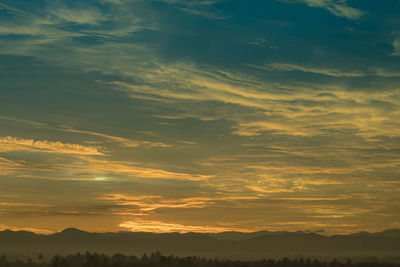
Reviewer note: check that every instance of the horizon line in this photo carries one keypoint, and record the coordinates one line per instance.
(320, 232)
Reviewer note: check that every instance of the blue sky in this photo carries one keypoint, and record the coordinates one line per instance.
(200, 115)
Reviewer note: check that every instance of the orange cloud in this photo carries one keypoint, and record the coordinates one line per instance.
(123, 141)
(103, 167)
(9, 143)
(7, 166)
(301, 169)
(311, 198)
(149, 203)
(15, 204)
(162, 227)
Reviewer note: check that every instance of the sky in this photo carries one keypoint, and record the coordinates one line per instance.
(200, 115)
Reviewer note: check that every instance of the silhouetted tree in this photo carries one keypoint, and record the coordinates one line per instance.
(158, 260)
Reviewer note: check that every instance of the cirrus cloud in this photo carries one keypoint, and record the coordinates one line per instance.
(9, 143)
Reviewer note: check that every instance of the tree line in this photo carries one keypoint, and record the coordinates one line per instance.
(158, 260)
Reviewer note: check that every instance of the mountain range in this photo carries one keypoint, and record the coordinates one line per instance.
(224, 245)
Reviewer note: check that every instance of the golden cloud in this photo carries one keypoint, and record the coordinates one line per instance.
(9, 143)
(149, 202)
(163, 227)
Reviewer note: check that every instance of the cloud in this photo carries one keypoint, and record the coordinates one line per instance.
(188, 82)
(151, 203)
(296, 109)
(163, 227)
(97, 167)
(322, 71)
(193, 2)
(200, 83)
(203, 13)
(9, 143)
(115, 2)
(42, 30)
(303, 170)
(15, 204)
(396, 47)
(8, 166)
(336, 7)
(312, 198)
(306, 109)
(196, 7)
(255, 128)
(338, 73)
(126, 142)
(199, 8)
(81, 165)
(123, 141)
(86, 15)
(278, 180)
(333, 212)
(32, 123)
(385, 72)
(270, 133)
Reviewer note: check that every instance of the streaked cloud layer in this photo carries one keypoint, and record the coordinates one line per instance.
(336, 7)
(8, 144)
(200, 116)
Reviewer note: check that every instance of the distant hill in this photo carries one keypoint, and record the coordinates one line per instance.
(238, 236)
(228, 244)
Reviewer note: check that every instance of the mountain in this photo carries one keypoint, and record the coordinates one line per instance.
(228, 244)
(238, 236)
(390, 233)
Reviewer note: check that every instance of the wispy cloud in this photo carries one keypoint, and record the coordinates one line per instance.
(86, 15)
(126, 142)
(344, 73)
(322, 71)
(303, 170)
(299, 110)
(8, 166)
(9, 143)
(17, 204)
(123, 141)
(273, 182)
(200, 8)
(32, 123)
(164, 227)
(396, 47)
(110, 168)
(151, 203)
(205, 126)
(50, 28)
(339, 8)
(302, 109)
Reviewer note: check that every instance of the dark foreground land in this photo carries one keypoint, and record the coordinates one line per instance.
(227, 245)
(159, 260)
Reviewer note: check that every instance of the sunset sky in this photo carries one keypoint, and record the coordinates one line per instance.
(200, 115)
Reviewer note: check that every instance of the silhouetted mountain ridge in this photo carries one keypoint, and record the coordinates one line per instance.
(227, 244)
(386, 233)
